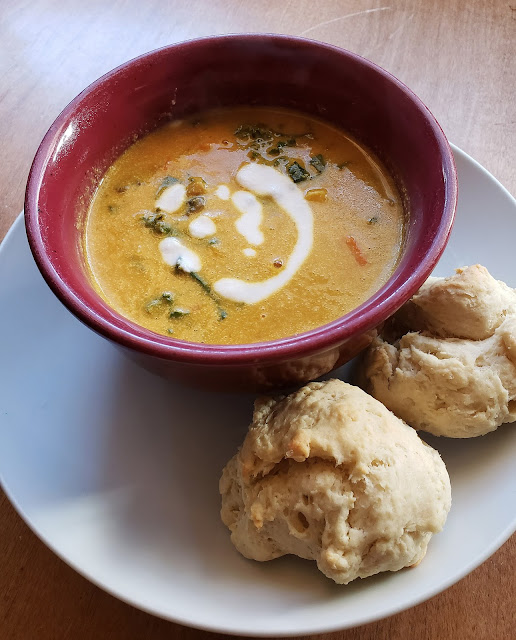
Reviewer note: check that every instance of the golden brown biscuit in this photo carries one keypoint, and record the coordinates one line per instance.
(470, 304)
(454, 372)
(329, 474)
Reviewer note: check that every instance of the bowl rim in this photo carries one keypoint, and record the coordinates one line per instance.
(363, 318)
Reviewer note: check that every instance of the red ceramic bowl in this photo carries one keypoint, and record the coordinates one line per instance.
(186, 78)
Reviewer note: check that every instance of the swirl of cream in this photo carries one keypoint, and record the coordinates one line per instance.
(267, 181)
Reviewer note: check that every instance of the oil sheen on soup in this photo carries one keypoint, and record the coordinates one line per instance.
(242, 225)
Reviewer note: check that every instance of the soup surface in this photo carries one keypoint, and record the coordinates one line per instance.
(241, 226)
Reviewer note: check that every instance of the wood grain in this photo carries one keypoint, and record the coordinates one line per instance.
(457, 56)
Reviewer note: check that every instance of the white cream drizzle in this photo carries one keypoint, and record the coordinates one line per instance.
(202, 227)
(249, 252)
(172, 198)
(267, 181)
(222, 192)
(176, 254)
(252, 214)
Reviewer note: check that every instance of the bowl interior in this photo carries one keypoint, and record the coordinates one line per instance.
(183, 79)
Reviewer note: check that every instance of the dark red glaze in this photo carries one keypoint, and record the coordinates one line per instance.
(186, 78)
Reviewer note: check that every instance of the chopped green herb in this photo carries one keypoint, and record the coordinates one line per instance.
(112, 208)
(165, 298)
(264, 145)
(171, 331)
(178, 313)
(163, 228)
(344, 165)
(281, 144)
(213, 241)
(291, 142)
(195, 276)
(254, 132)
(150, 219)
(297, 172)
(150, 306)
(280, 160)
(373, 220)
(262, 133)
(207, 289)
(166, 182)
(195, 204)
(318, 162)
(158, 224)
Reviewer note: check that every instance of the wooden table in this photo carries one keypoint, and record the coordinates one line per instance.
(457, 56)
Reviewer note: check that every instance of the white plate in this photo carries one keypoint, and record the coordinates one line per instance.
(117, 471)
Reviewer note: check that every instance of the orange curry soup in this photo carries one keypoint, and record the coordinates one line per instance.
(242, 225)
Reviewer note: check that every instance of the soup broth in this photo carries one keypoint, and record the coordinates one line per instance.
(241, 226)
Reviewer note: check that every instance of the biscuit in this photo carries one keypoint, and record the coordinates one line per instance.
(470, 304)
(329, 474)
(447, 362)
